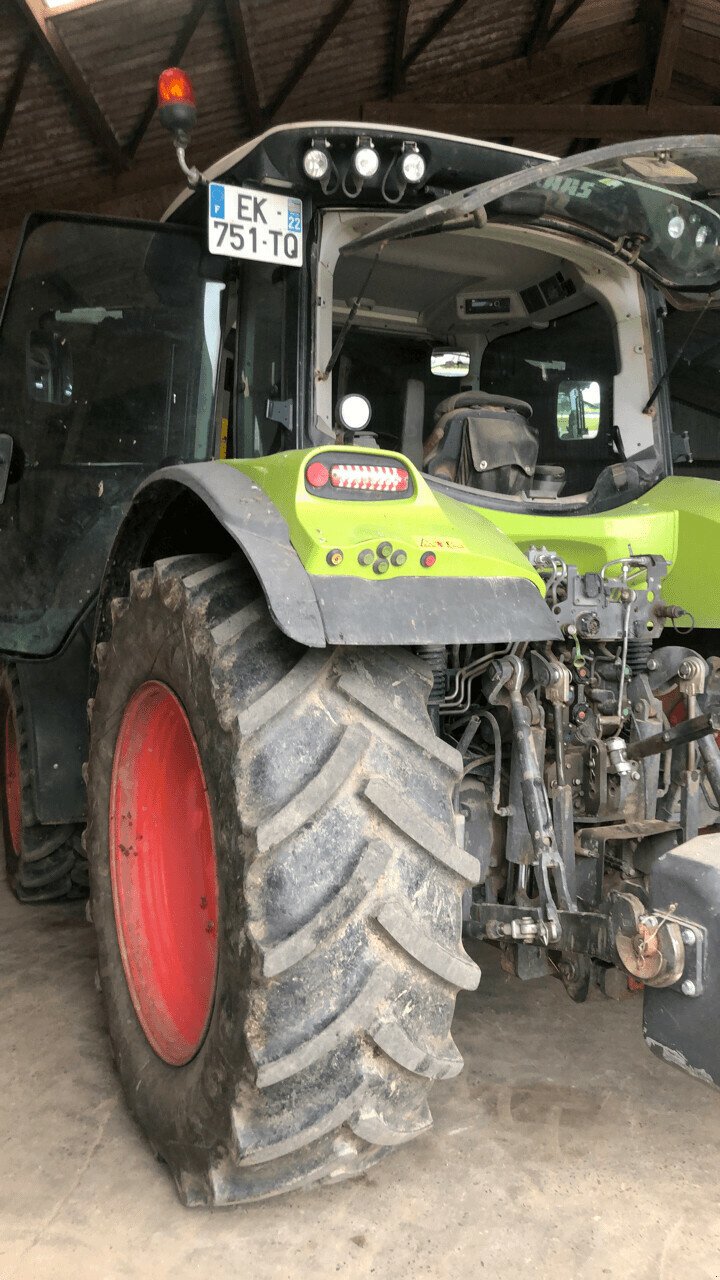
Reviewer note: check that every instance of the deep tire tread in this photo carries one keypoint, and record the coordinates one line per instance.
(424, 834)
(353, 885)
(324, 787)
(454, 967)
(365, 696)
(364, 881)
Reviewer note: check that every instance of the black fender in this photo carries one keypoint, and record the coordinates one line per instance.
(319, 610)
(249, 518)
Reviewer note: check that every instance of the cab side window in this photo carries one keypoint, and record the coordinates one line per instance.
(565, 370)
(262, 365)
(693, 355)
(578, 409)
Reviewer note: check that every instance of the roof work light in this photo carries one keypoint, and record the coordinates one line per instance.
(318, 164)
(407, 168)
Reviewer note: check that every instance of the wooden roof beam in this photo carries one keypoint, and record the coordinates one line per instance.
(397, 73)
(304, 62)
(16, 86)
(243, 59)
(702, 68)
(176, 54)
(669, 41)
(538, 36)
(39, 21)
(497, 120)
(604, 95)
(563, 19)
(573, 64)
(437, 25)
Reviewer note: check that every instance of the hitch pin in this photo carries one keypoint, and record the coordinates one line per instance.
(663, 916)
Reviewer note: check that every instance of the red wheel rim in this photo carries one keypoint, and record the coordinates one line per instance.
(11, 781)
(162, 860)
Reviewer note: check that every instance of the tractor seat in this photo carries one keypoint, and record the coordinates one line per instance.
(483, 441)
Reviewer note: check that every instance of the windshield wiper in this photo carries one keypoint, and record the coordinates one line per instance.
(672, 364)
(334, 354)
(471, 202)
(461, 206)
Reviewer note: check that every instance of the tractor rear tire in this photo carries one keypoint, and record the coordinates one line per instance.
(338, 893)
(45, 863)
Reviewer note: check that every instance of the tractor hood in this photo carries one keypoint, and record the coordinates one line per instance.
(653, 203)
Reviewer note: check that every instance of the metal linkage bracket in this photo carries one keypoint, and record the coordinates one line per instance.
(507, 675)
(695, 941)
(591, 933)
(494, 922)
(599, 606)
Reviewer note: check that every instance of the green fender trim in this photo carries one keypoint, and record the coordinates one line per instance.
(467, 543)
(478, 588)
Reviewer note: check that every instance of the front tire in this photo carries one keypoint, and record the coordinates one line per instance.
(339, 889)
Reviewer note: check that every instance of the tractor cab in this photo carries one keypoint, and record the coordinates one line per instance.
(534, 300)
(505, 333)
(489, 314)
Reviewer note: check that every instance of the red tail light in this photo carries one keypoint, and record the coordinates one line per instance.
(375, 479)
(317, 475)
(357, 477)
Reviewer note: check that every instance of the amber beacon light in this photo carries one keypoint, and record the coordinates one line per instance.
(178, 112)
(176, 101)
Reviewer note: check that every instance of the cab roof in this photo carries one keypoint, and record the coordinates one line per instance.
(274, 159)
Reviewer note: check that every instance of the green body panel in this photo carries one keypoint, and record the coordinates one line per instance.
(466, 543)
(679, 519)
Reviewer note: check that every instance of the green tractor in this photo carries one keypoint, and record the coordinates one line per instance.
(356, 596)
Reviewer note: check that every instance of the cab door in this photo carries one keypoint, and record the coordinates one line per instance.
(109, 346)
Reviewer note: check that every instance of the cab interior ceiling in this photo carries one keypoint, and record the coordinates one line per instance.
(569, 312)
(416, 285)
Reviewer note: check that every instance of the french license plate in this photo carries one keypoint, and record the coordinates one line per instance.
(243, 223)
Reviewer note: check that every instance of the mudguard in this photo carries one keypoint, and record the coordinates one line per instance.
(684, 1029)
(315, 609)
(261, 532)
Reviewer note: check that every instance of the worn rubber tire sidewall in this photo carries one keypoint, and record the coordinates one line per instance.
(175, 1105)
(12, 862)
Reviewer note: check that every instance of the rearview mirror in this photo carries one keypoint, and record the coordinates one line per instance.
(48, 368)
(446, 362)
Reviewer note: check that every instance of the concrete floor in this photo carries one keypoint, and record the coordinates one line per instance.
(563, 1150)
